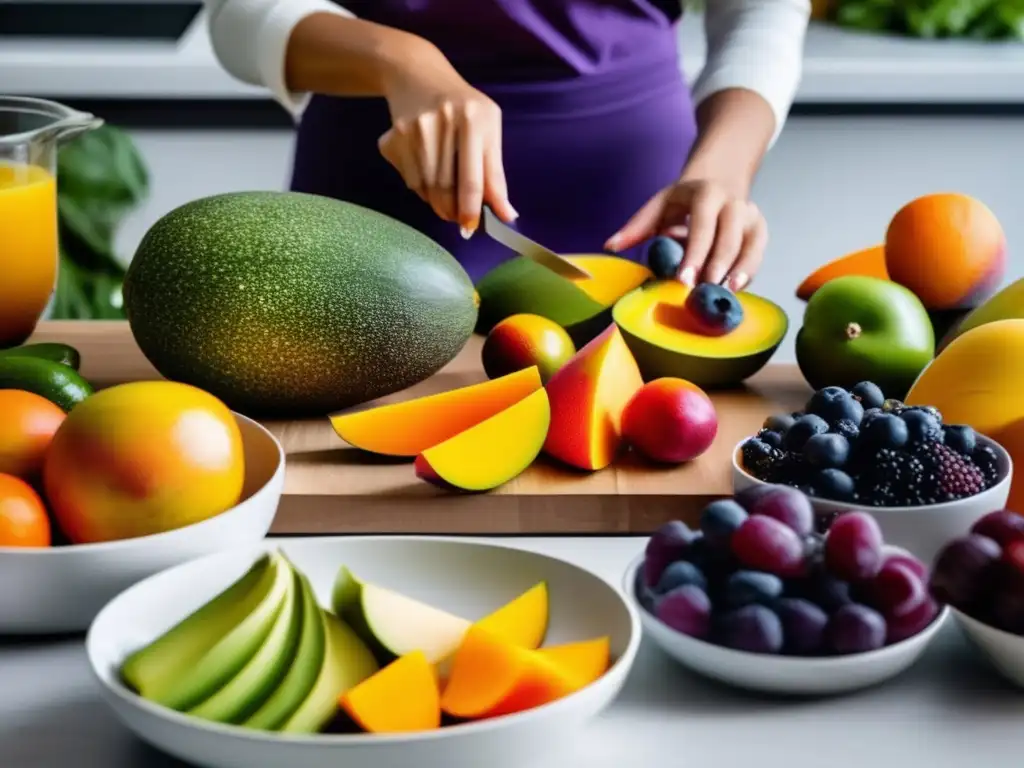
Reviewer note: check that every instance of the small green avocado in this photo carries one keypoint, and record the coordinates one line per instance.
(864, 329)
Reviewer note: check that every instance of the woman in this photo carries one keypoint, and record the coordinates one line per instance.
(573, 111)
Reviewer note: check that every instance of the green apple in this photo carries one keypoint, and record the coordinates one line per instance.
(204, 651)
(303, 670)
(864, 329)
(346, 663)
(261, 675)
(393, 624)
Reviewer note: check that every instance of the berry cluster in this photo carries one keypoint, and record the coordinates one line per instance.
(856, 446)
(756, 578)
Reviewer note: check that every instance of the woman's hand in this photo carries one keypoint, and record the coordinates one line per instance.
(445, 140)
(725, 233)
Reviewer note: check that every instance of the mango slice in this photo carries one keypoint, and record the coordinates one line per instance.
(401, 698)
(649, 320)
(522, 622)
(490, 677)
(492, 452)
(410, 427)
(869, 262)
(588, 395)
(585, 662)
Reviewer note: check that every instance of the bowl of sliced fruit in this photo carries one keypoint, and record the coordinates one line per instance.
(924, 481)
(981, 576)
(756, 599)
(364, 651)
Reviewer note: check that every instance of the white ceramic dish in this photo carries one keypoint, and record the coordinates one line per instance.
(464, 577)
(921, 530)
(1004, 650)
(782, 674)
(61, 589)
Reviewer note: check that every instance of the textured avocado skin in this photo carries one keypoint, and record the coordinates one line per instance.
(288, 304)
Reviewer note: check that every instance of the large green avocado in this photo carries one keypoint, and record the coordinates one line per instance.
(864, 329)
(287, 304)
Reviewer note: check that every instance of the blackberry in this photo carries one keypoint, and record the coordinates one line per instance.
(792, 469)
(847, 429)
(956, 477)
(897, 479)
(760, 458)
(771, 437)
(985, 459)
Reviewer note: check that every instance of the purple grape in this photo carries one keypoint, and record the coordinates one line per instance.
(719, 520)
(764, 544)
(897, 590)
(686, 609)
(853, 548)
(1002, 526)
(644, 594)
(894, 554)
(753, 628)
(855, 628)
(666, 545)
(963, 570)
(748, 496)
(746, 587)
(1006, 606)
(916, 621)
(803, 626)
(678, 574)
(787, 505)
(1013, 556)
(829, 593)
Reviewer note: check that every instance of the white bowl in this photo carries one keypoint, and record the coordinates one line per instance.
(61, 589)
(922, 530)
(1004, 649)
(464, 577)
(787, 675)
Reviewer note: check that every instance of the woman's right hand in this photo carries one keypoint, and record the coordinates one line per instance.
(445, 140)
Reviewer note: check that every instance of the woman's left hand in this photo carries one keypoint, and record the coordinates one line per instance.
(724, 232)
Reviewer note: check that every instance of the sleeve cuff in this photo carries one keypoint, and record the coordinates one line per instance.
(272, 43)
(756, 45)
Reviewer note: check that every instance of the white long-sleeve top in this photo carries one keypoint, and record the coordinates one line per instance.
(751, 44)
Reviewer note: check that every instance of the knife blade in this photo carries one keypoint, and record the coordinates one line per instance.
(524, 246)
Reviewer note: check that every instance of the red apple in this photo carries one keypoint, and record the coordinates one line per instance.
(670, 421)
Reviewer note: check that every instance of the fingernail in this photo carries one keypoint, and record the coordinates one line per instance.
(466, 232)
(613, 243)
(688, 275)
(737, 281)
(513, 211)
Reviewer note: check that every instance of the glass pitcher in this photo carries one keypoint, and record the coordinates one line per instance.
(31, 130)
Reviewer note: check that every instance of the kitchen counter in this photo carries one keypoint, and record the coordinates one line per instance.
(332, 488)
(841, 67)
(948, 711)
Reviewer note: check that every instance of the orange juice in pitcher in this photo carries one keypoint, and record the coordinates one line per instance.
(30, 132)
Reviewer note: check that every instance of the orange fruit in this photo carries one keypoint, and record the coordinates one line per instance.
(143, 458)
(23, 520)
(27, 425)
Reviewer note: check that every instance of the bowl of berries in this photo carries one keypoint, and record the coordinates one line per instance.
(980, 575)
(924, 481)
(757, 599)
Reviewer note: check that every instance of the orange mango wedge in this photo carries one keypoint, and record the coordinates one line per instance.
(403, 697)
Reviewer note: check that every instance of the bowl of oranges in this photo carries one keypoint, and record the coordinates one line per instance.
(102, 492)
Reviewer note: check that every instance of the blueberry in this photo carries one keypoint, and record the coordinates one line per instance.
(718, 521)
(885, 431)
(847, 429)
(961, 438)
(834, 484)
(679, 573)
(779, 422)
(921, 426)
(803, 429)
(664, 255)
(713, 310)
(769, 437)
(869, 394)
(826, 451)
(929, 409)
(835, 403)
(746, 587)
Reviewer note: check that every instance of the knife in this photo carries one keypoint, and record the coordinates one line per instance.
(524, 246)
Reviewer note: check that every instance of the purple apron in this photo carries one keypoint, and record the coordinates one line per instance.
(596, 117)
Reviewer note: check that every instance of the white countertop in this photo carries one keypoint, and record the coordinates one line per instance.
(840, 66)
(948, 711)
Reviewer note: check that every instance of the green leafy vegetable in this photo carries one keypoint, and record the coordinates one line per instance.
(101, 178)
(978, 19)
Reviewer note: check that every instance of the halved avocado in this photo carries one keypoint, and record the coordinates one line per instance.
(580, 305)
(662, 347)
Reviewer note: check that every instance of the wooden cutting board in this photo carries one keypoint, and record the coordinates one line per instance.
(333, 488)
